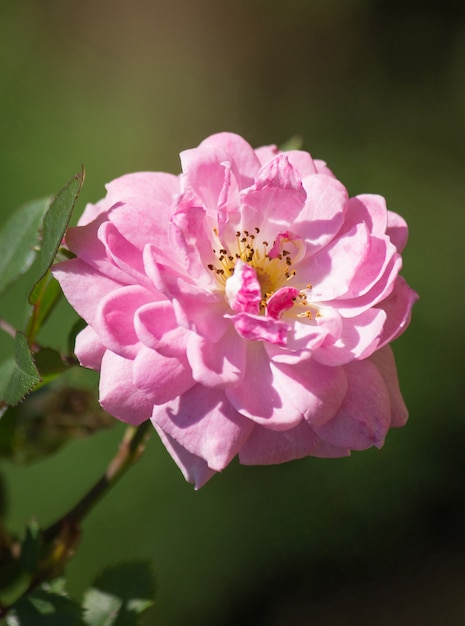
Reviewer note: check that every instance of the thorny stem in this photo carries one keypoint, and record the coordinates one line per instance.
(61, 538)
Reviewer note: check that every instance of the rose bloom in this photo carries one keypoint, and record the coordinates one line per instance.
(245, 307)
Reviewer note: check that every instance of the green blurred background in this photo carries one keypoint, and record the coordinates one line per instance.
(377, 89)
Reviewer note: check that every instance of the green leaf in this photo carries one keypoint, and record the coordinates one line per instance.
(49, 364)
(18, 241)
(120, 595)
(31, 547)
(56, 221)
(43, 297)
(21, 376)
(42, 608)
(79, 325)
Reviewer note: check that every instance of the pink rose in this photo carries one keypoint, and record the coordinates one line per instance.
(245, 307)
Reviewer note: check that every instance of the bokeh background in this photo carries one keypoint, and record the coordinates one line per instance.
(377, 89)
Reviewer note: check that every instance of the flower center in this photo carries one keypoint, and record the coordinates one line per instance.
(272, 264)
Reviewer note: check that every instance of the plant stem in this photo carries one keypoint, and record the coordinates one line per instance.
(59, 540)
(130, 450)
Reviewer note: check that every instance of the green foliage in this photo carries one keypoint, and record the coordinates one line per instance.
(120, 595)
(44, 223)
(56, 221)
(31, 547)
(43, 298)
(19, 238)
(19, 375)
(45, 607)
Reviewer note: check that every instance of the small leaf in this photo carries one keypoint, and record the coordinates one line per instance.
(24, 375)
(42, 608)
(293, 143)
(49, 364)
(56, 221)
(18, 241)
(120, 595)
(31, 547)
(102, 609)
(43, 297)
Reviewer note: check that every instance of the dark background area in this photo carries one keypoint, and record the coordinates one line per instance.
(375, 88)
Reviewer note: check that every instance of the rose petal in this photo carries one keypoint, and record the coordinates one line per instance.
(269, 447)
(164, 378)
(205, 424)
(194, 469)
(365, 414)
(118, 394)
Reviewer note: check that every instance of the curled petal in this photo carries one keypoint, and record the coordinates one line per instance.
(157, 328)
(259, 328)
(360, 336)
(114, 319)
(89, 349)
(282, 300)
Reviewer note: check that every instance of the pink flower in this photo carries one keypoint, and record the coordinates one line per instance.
(245, 307)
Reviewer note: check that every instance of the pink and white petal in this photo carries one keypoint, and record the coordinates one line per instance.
(277, 196)
(384, 361)
(365, 414)
(243, 291)
(204, 423)
(367, 208)
(163, 378)
(118, 394)
(270, 447)
(398, 307)
(281, 301)
(194, 469)
(203, 166)
(323, 213)
(360, 337)
(217, 364)
(397, 230)
(315, 390)
(257, 396)
(83, 286)
(331, 269)
(89, 349)
(114, 319)
(157, 328)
